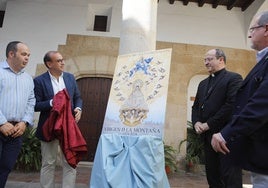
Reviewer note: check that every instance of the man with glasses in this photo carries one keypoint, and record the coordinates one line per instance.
(211, 111)
(47, 86)
(246, 136)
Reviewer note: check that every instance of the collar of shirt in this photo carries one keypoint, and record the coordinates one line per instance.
(57, 85)
(5, 65)
(53, 77)
(261, 54)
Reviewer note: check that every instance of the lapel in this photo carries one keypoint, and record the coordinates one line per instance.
(48, 84)
(217, 80)
(67, 82)
(206, 85)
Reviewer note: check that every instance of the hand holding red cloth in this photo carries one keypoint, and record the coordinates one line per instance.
(61, 125)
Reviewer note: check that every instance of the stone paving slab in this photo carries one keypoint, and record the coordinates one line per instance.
(16, 184)
(180, 179)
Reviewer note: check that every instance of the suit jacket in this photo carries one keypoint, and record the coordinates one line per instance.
(247, 133)
(44, 93)
(214, 105)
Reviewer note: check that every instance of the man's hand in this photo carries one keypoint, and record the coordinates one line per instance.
(19, 129)
(78, 113)
(197, 127)
(218, 143)
(201, 127)
(7, 129)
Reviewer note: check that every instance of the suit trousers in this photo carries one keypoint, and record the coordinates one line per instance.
(219, 171)
(9, 151)
(49, 152)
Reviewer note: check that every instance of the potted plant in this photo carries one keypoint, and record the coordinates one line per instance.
(194, 148)
(29, 158)
(170, 159)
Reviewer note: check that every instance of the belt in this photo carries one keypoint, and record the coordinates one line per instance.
(13, 122)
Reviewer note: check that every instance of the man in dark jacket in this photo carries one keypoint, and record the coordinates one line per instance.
(246, 136)
(212, 109)
(46, 86)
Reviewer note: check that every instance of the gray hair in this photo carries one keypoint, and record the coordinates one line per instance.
(220, 53)
(263, 19)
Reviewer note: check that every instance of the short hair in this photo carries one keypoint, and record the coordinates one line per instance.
(220, 53)
(47, 56)
(263, 20)
(12, 46)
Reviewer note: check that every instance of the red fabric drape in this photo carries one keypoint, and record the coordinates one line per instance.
(61, 125)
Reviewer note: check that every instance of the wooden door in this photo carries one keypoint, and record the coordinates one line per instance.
(95, 93)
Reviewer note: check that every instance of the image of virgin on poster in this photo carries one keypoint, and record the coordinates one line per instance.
(137, 101)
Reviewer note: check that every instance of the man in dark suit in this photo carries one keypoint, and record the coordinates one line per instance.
(211, 111)
(46, 86)
(246, 136)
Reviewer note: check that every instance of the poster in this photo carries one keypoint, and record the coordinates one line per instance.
(138, 95)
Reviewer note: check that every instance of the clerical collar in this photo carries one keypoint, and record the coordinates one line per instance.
(217, 73)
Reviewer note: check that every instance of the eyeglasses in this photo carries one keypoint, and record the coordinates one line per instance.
(209, 59)
(255, 27)
(212, 58)
(59, 60)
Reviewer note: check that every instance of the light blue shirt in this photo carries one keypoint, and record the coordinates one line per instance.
(17, 98)
(261, 54)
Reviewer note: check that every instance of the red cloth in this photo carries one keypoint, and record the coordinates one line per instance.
(61, 125)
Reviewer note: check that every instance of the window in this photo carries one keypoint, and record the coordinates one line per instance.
(2, 14)
(100, 23)
(99, 18)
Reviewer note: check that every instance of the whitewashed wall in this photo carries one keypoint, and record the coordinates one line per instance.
(44, 24)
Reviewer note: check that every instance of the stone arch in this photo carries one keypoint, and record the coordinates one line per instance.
(191, 92)
(91, 66)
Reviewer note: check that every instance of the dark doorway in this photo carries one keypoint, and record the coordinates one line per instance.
(95, 94)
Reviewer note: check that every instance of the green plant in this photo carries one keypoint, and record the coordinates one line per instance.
(194, 147)
(170, 158)
(29, 158)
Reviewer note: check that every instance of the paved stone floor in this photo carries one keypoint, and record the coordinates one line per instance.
(177, 180)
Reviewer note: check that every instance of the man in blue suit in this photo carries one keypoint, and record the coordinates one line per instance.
(46, 86)
(245, 138)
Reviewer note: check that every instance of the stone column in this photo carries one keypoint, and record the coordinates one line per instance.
(138, 30)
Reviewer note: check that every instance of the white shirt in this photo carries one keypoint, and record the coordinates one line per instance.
(57, 85)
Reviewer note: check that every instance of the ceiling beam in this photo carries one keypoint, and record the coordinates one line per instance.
(185, 2)
(201, 3)
(171, 2)
(215, 3)
(246, 5)
(231, 4)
